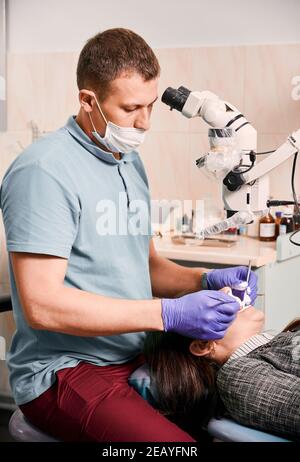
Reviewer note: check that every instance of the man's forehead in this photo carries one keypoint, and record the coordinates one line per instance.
(132, 88)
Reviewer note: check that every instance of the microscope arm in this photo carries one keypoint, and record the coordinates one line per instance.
(286, 150)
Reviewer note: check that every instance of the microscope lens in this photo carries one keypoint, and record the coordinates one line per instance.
(176, 99)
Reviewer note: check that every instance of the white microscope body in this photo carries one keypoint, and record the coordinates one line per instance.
(248, 191)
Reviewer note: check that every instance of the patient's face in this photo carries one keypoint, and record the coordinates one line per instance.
(247, 323)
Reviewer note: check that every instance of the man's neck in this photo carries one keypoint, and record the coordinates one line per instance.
(84, 123)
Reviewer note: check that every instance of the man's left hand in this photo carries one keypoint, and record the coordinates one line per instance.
(229, 277)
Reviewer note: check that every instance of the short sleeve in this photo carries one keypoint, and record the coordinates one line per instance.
(40, 214)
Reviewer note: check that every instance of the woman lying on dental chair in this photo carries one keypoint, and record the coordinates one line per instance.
(251, 375)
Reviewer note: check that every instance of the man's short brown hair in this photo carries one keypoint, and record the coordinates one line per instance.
(111, 53)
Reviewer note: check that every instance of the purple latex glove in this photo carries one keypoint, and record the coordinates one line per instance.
(229, 277)
(201, 315)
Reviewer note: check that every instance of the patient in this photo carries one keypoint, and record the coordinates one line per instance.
(252, 376)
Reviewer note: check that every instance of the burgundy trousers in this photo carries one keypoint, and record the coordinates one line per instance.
(96, 403)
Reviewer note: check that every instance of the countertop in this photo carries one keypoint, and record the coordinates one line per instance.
(244, 249)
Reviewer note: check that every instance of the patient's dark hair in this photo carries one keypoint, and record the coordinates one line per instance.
(293, 325)
(185, 383)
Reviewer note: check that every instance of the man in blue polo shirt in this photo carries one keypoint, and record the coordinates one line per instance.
(83, 268)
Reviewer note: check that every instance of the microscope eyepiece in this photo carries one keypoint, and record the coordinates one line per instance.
(176, 99)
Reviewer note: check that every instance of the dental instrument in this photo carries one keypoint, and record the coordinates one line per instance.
(240, 290)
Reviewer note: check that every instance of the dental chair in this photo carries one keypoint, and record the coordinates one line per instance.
(220, 429)
(23, 431)
(223, 430)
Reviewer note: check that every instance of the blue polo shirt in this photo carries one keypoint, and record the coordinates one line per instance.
(64, 196)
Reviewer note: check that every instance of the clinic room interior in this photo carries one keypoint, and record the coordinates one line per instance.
(220, 157)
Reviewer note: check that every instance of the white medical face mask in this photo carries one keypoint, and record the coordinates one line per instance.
(118, 139)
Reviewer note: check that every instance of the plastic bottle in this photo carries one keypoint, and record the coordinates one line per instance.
(239, 218)
(253, 228)
(185, 224)
(286, 223)
(278, 216)
(267, 228)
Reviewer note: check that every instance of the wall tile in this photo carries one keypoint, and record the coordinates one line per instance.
(268, 87)
(25, 90)
(220, 70)
(61, 93)
(172, 171)
(280, 177)
(41, 88)
(217, 69)
(166, 159)
(11, 145)
(175, 68)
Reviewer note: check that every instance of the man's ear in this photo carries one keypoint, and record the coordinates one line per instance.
(86, 99)
(201, 348)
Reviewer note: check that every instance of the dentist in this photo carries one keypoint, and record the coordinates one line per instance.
(82, 277)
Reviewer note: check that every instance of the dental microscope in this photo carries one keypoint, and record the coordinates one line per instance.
(245, 182)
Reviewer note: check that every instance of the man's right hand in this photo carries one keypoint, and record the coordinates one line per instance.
(203, 315)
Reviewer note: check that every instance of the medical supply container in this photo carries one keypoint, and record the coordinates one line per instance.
(286, 223)
(267, 228)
